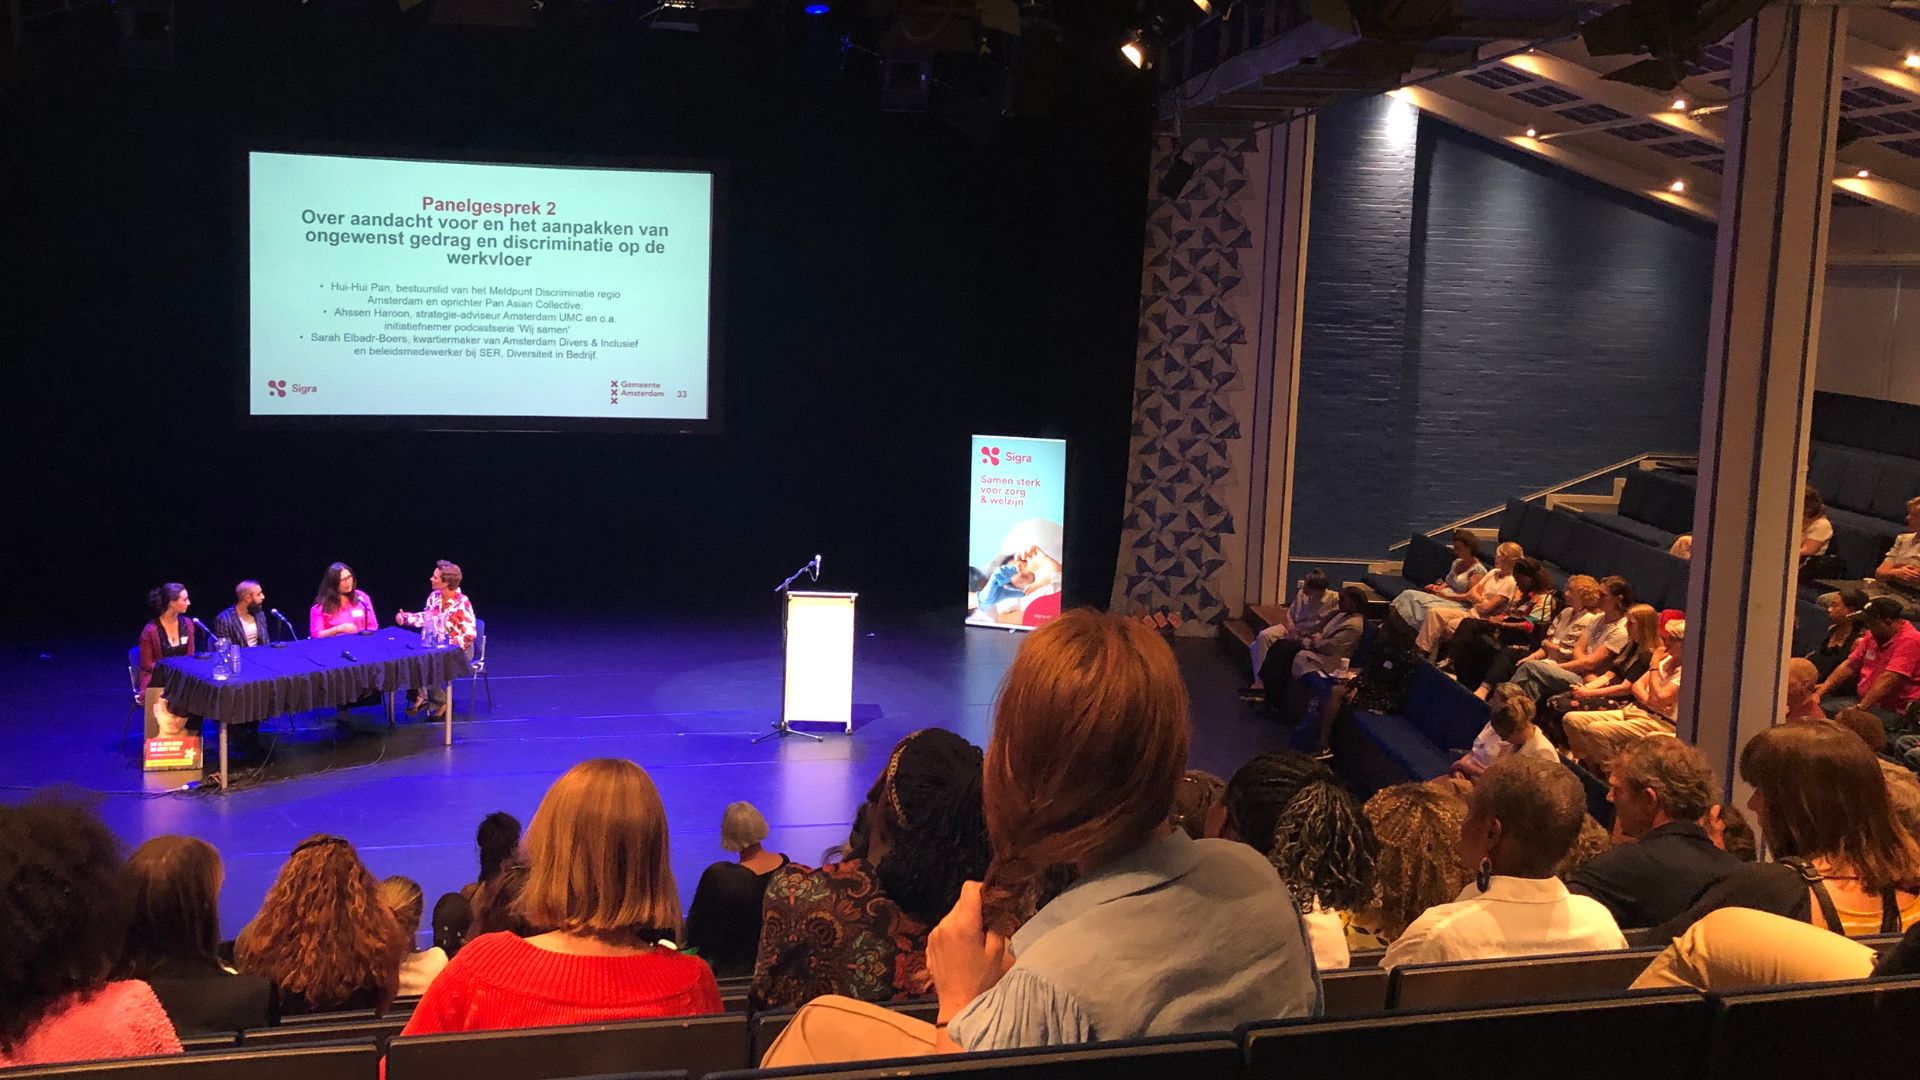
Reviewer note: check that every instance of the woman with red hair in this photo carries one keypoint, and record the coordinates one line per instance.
(1097, 920)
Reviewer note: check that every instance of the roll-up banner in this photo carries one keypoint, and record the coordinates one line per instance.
(1016, 545)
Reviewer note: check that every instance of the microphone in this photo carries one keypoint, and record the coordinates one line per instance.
(816, 568)
(208, 638)
(293, 633)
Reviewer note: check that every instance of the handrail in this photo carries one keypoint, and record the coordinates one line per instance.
(1554, 490)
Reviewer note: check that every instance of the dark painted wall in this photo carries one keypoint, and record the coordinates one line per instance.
(892, 286)
(1549, 325)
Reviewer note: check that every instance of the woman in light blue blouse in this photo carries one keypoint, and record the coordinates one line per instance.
(1097, 920)
(1454, 589)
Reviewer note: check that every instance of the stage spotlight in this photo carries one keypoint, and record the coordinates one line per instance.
(1913, 59)
(816, 9)
(1135, 50)
(1533, 133)
(1678, 187)
(1862, 174)
(1679, 104)
(1178, 175)
(1205, 6)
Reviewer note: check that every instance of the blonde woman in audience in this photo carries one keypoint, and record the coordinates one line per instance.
(1580, 609)
(723, 924)
(1096, 920)
(403, 897)
(1682, 547)
(1802, 702)
(1509, 730)
(1594, 734)
(64, 914)
(599, 877)
(1454, 589)
(1522, 819)
(1844, 862)
(322, 935)
(1417, 828)
(1488, 598)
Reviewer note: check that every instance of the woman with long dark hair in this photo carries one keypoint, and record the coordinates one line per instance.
(63, 915)
(340, 606)
(1096, 919)
(322, 936)
(858, 927)
(168, 633)
(173, 940)
(1843, 862)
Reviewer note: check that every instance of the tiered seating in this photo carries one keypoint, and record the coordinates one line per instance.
(1572, 1014)
(1442, 717)
(1575, 543)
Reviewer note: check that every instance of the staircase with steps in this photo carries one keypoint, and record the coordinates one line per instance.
(1236, 635)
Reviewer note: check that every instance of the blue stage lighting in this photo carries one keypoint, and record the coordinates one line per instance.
(817, 9)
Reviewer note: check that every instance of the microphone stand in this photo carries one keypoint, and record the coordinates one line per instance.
(292, 634)
(780, 728)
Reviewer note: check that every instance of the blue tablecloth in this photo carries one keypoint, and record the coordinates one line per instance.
(306, 675)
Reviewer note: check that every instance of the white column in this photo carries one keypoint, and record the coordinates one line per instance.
(1768, 274)
(1289, 149)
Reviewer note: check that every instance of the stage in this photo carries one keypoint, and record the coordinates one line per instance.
(682, 697)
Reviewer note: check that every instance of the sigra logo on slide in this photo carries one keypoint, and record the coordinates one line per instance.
(990, 455)
(277, 387)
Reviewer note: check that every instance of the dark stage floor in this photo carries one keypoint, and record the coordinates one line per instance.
(682, 699)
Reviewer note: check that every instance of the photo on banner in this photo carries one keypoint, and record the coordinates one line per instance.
(1016, 542)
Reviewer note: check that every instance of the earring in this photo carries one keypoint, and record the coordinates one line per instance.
(1485, 876)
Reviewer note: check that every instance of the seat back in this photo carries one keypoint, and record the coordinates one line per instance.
(1448, 714)
(1185, 1057)
(1427, 559)
(1800, 1031)
(133, 669)
(1521, 979)
(1353, 992)
(1650, 1035)
(379, 1029)
(1556, 536)
(339, 1061)
(698, 1044)
(480, 644)
(767, 1026)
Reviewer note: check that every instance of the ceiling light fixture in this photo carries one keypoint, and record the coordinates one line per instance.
(1533, 133)
(1679, 104)
(1135, 50)
(1678, 187)
(1912, 60)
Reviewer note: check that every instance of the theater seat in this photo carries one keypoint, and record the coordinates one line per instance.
(1412, 753)
(1863, 1031)
(1639, 532)
(768, 1025)
(340, 1061)
(1648, 1035)
(1441, 720)
(1520, 979)
(1353, 992)
(699, 1044)
(1181, 1057)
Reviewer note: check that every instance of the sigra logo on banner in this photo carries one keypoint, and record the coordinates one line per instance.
(1016, 545)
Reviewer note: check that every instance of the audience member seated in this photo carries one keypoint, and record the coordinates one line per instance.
(1682, 547)
(1843, 630)
(1903, 959)
(858, 927)
(599, 881)
(1509, 730)
(1739, 949)
(1802, 702)
(1523, 817)
(1592, 841)
(1845, 863)
(322, 936)
(498, 839)
(1193, 802)
(1313, 604)
(1579, 612)
(1886, 661)
(1478, 644)
(496, 906)
(1096, 920)
(173, 940)
(1417, 829)
(1379, 686)
(1454, 589)
(1897, 578)
(1731, 832)
(403, 897)
(452, 923)
(1292, 810)
(1326, 649)
(1488, 598)
(1595, 653)
(64, 911)
(1660, 788)
(1594, 734)
(1816, 531)
(724, 922)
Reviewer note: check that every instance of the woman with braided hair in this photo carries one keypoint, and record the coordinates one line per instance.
(1096, 919)
(858, 927)
(1290, 808)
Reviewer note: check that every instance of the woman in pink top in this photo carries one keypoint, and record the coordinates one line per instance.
(340, 608)
(64, 907)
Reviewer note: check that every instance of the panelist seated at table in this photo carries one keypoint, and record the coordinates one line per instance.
(455, 613)
(245, 623)
(340, 608)
(169, 633)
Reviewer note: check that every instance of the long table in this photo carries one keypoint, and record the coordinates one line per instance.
(303, 675)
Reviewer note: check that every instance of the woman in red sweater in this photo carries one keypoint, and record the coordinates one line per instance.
(601, 888)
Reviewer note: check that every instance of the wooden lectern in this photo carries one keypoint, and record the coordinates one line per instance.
(818, 687)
